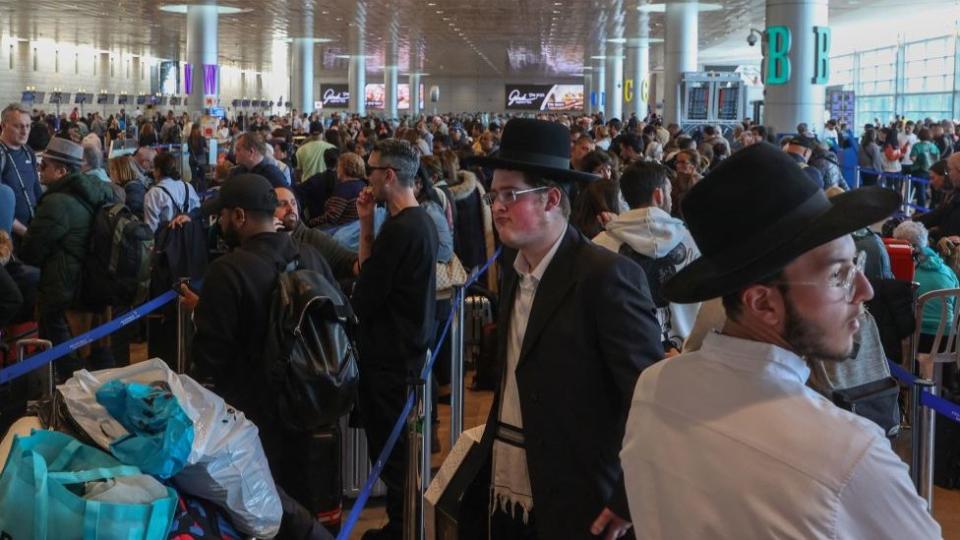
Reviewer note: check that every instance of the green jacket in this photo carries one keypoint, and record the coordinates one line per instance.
(58, 236)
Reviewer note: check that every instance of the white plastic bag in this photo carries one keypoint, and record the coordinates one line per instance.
(226, 466)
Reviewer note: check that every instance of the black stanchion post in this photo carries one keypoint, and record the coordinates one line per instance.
(456, 367)
(426, 452)
(411, 512)
(181, 329)
(49, 382)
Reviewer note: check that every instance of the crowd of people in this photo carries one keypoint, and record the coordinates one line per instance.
(618, 235)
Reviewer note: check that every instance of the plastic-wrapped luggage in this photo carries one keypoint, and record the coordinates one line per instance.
(226, 466)
(356, 462)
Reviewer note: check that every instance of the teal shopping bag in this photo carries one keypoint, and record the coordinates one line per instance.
(42, 487)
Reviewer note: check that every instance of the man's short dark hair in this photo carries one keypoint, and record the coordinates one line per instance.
(402, 157)
(686, 143)
(732, 304)
(640, 180)
(709, 130)
(166, 165)
(631, 140)
(594, 159)
(535, 180)
(252, 141)
(332, 136)
(330, 157)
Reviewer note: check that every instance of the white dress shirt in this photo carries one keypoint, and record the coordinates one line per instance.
(729, 442)
(511, 478)
(159, 208)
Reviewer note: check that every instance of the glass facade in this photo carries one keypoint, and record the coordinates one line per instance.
(915, 79)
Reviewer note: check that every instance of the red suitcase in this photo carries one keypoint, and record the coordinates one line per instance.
(901, 258)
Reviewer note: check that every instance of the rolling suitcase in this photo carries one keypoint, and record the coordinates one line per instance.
(901, 258)
(356, 462)
(477, 314)
(325, 500)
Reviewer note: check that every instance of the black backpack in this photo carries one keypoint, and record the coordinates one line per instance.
(181, 252)
(309, 356)
(116, 268)
(658, 271)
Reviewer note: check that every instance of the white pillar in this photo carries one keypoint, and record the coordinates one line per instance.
(302, 76)
(799, 99)
(680, 53)
(639, 63)
(413, 80)
(587, 89)
(202, 39)
(614, 80)
(600, 87)
(390, 70)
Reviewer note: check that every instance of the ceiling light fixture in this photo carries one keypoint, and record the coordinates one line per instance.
(221, 10)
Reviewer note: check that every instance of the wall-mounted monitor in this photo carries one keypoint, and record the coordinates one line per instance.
(105, 99)
(123, 99)
(175, 101)
(83, 98)
(60, 97)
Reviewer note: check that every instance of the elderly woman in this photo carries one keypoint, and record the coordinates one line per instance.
(932, 275)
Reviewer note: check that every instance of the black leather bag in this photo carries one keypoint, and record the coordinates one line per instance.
(309, 357)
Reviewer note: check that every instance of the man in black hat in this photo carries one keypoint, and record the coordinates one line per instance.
(575, 328)
(232, 315)
(800, 149)
(744, 449)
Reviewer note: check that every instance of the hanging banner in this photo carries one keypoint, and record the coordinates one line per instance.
(334, 96)
(544, 97)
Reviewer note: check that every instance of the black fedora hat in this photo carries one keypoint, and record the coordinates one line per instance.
(758, 211)
(534, 146)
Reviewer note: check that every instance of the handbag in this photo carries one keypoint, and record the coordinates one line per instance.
(450, 274)
(41, 485)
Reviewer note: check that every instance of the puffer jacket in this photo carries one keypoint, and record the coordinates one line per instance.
(58, 236)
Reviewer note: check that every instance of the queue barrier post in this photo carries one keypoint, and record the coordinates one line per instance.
(924, 437)
(49, 381)
(411, 516)
(426, 453)
(456, 368)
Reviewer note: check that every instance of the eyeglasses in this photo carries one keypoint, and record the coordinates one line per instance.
(371, 168)
(844, 279)
(507, 197)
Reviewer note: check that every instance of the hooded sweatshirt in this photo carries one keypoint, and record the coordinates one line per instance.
(654, 233)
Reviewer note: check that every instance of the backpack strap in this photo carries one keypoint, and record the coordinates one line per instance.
(178, 209)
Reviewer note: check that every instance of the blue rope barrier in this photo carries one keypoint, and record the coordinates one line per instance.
(901, 374)
(946, 408)
(65, 348)
(377, 467)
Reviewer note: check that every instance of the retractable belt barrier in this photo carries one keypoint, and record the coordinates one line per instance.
(377, 467)
(938, 404)
(897, 176)
(65, 348)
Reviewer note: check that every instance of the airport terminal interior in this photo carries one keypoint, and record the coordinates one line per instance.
(453, 269)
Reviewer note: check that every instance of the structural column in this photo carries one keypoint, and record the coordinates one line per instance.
(796, 63)
(614, 108)
(302, 77)
(680, 53)
(390, 70)
(357, 75)
(600, 87)
(413, 80)
(587, 92)
(639, 65)
(202, 36)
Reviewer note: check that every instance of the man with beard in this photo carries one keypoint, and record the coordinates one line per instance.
(395, 301)
(231, 318)
(342, 261)
(729, 441)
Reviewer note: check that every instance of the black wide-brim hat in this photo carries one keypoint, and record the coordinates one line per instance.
(534, 146)
(758, 211)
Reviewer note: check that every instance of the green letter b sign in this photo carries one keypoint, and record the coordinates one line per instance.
(778, 47)
(821, 70)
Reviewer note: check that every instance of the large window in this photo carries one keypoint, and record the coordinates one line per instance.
(915, 79)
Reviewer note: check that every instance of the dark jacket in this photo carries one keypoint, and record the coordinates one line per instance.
(592, 330)
(944, 220)
(313, 192)
(135, 190)
(267, 170)
(57, 239)
(10, 298)
(339, 258)
(231, 318)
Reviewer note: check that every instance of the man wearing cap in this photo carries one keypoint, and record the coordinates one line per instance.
(576, 326)
(728, 441)
(800, 148)
(232, 315)
(57, 239)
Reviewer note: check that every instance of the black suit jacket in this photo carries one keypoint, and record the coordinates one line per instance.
(592, 330)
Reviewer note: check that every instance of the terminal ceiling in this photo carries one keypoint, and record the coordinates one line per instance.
(509, 38)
